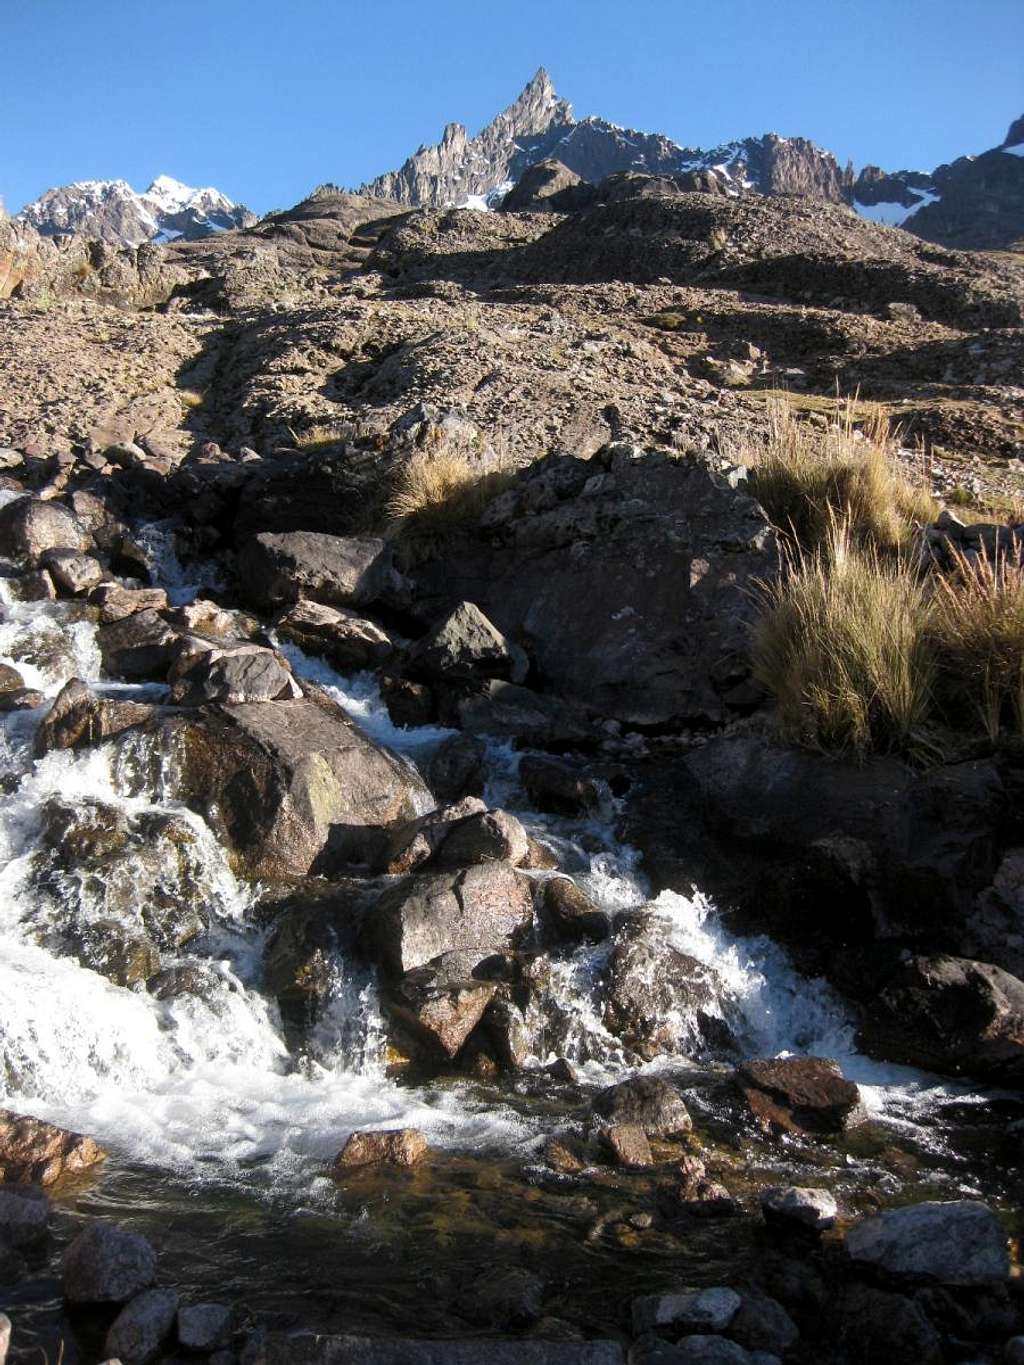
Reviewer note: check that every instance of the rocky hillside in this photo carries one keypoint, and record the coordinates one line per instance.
(111, 211)
(974, 202)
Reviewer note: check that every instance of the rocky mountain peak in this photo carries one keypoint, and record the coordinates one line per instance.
(1015, 137)
(111, 211)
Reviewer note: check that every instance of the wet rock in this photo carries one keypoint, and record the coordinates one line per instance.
(300, 956)
(24, 1216)
(83, 832)
(141, 1328)
(950, 1014)
(138, 646)
(492, 836)
(78, 717)
(798, 1286)
(800, 1095)
(438, 1009)
(10, 679)
(307, 1349)
(349, 641)
(21, 699)
(289, 785)
(508, 711)
(648, 1101)
(791, 1207)
(413, 844)
(627, 1144)
(276, 569)
(32, 1151)
(244, 674)
(393, 1147)
(29, 527)
(763, 1325)
(559, 787)
(875, 1325)
(106, 1264)
(692, 1310)
(456, 768)
(74, 574)
(657, 999)
(428, 914)
(961, 1242)
(706, 1198)
(35, 586)
(465, 645)
(116, 602)
(564, 1155)
(508, 1299)
(572, 913)
(204, 1326)
(410, 704)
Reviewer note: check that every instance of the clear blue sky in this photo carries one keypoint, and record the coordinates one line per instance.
(266, 98)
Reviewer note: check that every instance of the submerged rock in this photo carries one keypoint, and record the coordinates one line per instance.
(792, 1207)
(648, 1101)
(38, 1152)
(627, 1144)
(800, 1095)
(392, 1147)
(507, 1299)
(24, 1216)
(141, 1328)
(204, 1326)
(106, 1264)
(957, 1243)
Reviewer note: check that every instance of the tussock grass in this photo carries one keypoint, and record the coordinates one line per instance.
(841, 645)
(977, 633)
(435, 495)
(809, 480)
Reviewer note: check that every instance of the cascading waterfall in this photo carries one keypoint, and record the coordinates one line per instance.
(204, 1081)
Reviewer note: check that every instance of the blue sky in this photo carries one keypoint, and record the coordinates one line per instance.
(267, 98)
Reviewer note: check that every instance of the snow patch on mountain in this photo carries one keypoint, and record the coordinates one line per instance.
(112, 211)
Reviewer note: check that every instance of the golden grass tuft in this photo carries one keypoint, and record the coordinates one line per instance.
(977, 632)
(840, 643)
(808, 480)
(438, 494)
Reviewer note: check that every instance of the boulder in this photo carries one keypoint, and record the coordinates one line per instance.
(106, 1264)
(29, 527)
(276, 569)
(648, 1101)
(32, 1151)
(291, 786)
(762, 1324)
(349, 641)
(874, 1325)
(78, 717)
(24, 1215)
(442, 1003)
(706, 1198)
(456, 768)
(490, 836)
(952, 1015)
(572, 914)
(548, 187)
(686, 1310)
(627, 1144)
(465, 645)
(957, 1243)
(284, 1348)
(142, 1327)
(74, 574)
(204, 1326)
(115, 602)
(698, 1349)
(414, 843)
(658, 999)
(426, 915)
(800, 1095)
(788, 1208)
(391, 1147)
(626, 577)
(118, 952)
(10, 679)
(142, 645)
(555, 785)
(246, 673)
(21, 699)
(505, 710)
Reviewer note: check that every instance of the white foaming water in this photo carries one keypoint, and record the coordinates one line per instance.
(203, 1082)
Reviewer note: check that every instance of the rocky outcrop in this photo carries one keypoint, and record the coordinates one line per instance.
(624, 578)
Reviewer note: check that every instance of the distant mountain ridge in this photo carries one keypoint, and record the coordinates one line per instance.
(111, 211)
(976, 201)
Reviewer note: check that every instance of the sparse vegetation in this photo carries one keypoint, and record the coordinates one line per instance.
(809, 480)
(190, 399)
(323, 436)
(842, 646)
(436, 494)
(977, 631)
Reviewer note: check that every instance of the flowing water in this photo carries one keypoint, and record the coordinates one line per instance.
(220, 1136)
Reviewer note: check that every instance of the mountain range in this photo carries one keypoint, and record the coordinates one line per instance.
(972, 202)
(111, 211)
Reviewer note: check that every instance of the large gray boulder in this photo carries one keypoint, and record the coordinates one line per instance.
(625, 578)
(106, 1264)
(957, 1243)
(29, 527)
(276, 569)
(950, 1014)
(464, 645)
(648, 1101)
(429, 914)
(292, 786)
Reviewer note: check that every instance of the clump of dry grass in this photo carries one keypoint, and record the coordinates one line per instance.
(841, 644)
(807, 480)
(977, 631)
(437, 494)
